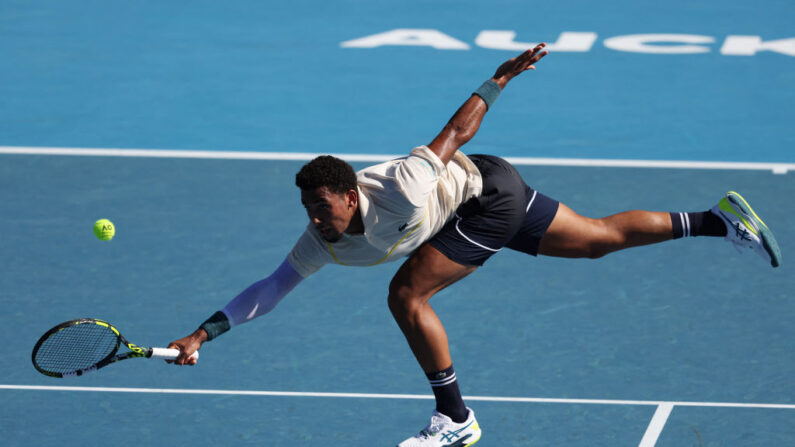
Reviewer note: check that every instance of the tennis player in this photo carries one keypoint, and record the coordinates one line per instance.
(449, 212)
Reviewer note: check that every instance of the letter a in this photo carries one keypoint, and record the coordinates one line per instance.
(408, 37)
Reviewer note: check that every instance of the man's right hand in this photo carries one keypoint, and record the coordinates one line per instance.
(187, 346)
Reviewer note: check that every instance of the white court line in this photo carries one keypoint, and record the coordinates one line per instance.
(389, 396)
(776, 168)
(649, 439)
(178, 153)
(656, 426)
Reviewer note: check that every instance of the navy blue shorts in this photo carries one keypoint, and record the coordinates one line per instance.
(508, 213)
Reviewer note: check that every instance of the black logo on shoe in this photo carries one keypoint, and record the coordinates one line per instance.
(403, 227)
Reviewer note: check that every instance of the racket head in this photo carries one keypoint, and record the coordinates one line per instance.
(75, 346)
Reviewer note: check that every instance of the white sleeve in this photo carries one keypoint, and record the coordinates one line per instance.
(418, 174)
(262, 296)
(309, 253)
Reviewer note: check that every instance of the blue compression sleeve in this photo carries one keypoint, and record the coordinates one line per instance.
(262, 296)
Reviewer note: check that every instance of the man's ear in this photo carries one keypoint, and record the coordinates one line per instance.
(352, 197)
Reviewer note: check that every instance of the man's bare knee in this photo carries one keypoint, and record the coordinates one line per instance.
(600, 243)
(605, 240)
(403, 301)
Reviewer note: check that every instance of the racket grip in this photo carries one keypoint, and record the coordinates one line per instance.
(169, 354)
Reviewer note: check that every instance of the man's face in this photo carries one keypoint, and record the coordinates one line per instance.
(329, 212)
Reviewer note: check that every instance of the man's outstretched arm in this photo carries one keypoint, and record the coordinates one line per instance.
(466, 121)
(258, 299)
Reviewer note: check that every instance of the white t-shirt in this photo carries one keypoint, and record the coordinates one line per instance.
(403, 202)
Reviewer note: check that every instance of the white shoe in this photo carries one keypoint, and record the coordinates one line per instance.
(443, 432)
(745, 229)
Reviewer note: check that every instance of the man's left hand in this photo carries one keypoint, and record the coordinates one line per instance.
(519, 64)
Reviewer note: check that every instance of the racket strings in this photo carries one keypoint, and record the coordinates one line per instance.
(76, 347)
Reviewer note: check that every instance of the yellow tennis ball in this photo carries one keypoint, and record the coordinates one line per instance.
(104, 229)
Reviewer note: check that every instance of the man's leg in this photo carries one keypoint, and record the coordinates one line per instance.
(426, 272)
(571, 235)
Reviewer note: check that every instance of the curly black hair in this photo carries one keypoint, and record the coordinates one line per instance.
(331, 172)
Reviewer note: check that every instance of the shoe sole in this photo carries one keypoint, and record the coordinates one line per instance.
(768, 240)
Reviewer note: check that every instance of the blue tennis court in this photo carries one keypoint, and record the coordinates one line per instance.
(185, 125)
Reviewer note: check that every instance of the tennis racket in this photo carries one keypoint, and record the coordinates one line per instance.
(76, 347)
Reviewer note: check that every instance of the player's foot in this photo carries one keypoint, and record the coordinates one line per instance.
(443, 432)
(745, 229)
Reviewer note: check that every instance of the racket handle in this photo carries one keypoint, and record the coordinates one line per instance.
(169, 354)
